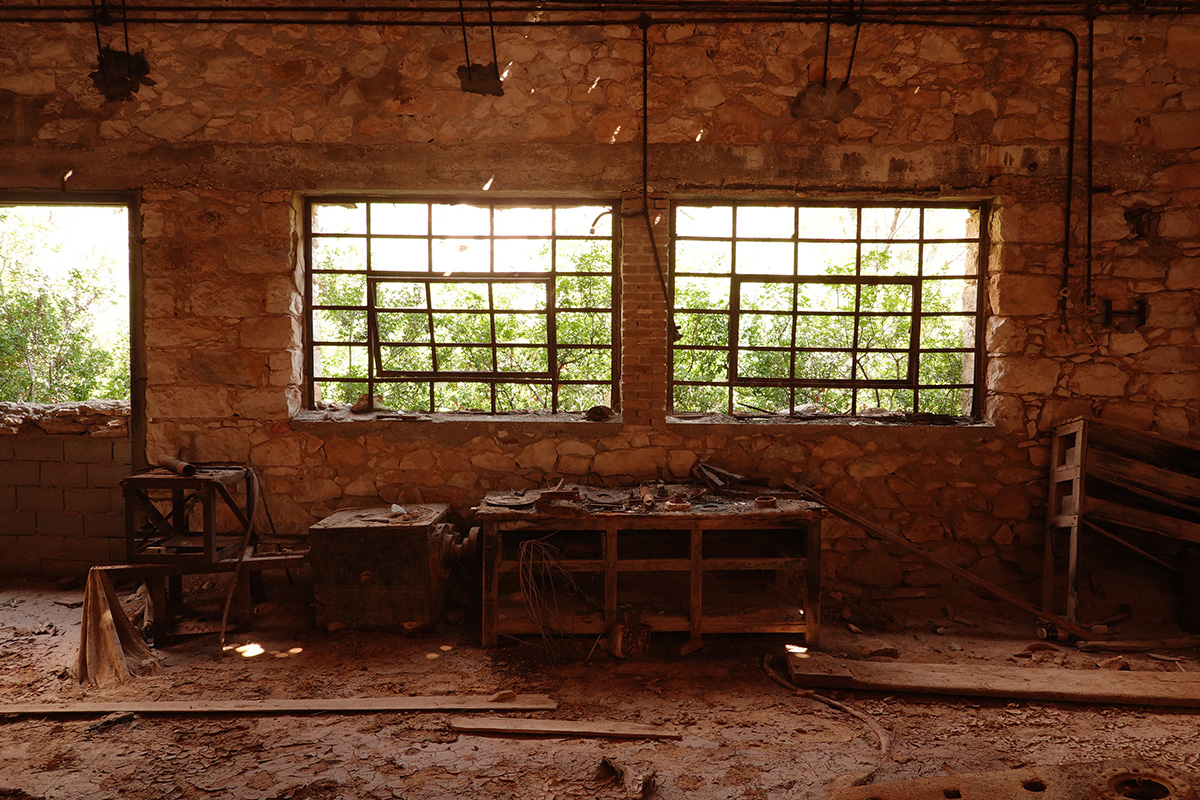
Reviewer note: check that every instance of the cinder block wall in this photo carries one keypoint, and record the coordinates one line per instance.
(60, 494)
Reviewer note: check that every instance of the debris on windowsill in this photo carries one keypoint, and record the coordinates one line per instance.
(598, 414)
(813, 414)
(363, 404)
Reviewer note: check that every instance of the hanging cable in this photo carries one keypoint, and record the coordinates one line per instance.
(828, 27)
(862, 10)
(462, 16)
(492, 29)
(644, 23)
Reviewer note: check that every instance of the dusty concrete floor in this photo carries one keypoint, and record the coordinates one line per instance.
(744, 735)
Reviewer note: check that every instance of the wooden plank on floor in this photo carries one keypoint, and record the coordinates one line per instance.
(815, 670)
(339, 705)
(561, 727)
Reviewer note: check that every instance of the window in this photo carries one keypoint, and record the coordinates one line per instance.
(486, 307)
(64, 302)
(802, 308)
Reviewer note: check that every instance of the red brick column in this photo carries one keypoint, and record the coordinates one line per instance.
(643, 310)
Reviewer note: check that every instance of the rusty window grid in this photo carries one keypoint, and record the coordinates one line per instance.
(376, 344)
(436, 377)
(973, 354)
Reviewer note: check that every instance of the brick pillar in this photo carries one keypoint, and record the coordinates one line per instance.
(643, 311)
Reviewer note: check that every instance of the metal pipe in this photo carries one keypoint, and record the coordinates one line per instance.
(178, 466)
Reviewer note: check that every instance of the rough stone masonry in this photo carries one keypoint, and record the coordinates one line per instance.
(243, 120)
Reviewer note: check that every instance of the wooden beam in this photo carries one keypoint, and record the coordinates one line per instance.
(562, 727)
(347, 705)
(1024, 683)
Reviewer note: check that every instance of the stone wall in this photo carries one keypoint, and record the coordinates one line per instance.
(60, 495)
(243, 121)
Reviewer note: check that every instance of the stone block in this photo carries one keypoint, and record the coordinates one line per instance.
(63, 474)
(20, 473)
(39, 498)
(1014, 295)
(1023, 375)
(237, 368)
(188, 403)
(639, 462)
(85, 449)
(1098, 380)
(39, 448)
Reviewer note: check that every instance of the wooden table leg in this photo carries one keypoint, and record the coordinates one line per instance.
(491, 584)
(812, 585)
(610, 578)
(696, 601)
(158, 603)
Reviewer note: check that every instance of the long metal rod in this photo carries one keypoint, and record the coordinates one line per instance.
(986, 585)
(824, 8)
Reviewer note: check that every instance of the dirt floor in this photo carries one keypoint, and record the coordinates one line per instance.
(744, 736)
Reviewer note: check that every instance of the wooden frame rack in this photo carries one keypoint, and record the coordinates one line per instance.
(1112, 480)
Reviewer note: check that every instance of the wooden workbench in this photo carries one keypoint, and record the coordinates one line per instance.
(727, 567)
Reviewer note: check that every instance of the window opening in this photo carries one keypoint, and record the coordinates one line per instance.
(806, 308)
(64, 302)
(436, 306)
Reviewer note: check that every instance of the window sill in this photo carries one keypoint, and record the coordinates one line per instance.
(782, 421)
(332, 421)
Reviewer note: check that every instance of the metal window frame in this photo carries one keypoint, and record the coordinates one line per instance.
(916, 313)
(377, 375)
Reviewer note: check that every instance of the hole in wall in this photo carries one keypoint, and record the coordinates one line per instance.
(1141, 789)
(1034, 785)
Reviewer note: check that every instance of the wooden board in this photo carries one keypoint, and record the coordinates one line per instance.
(1144, 520)
(1029, 683)
(562, 727)
(346, 705)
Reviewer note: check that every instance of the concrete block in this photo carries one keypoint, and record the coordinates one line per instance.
(92, 551)
(22, 523)
(8, 498)
(91, 500)
(122, 451)
(19, 567)
(20, 473)
(9, 546)
(39, 498)
(59, 523)
(8, 447)
(61, 568)
(87, 450)
(101, 476)
(64, 474)
(105, 526)
(39, 448)
(40, 547)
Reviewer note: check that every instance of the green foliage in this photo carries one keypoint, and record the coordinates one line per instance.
(772, 342)
(48, 347)
(452, 325)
